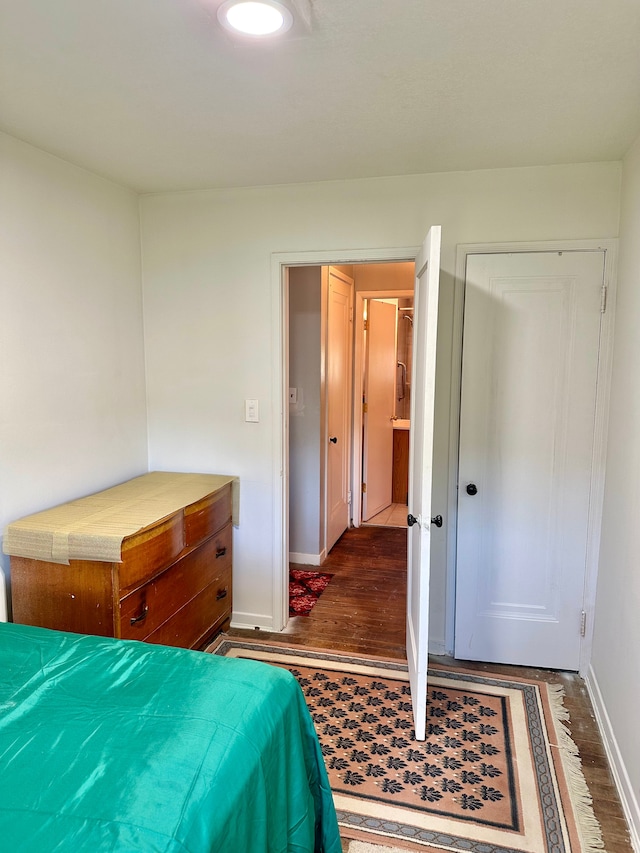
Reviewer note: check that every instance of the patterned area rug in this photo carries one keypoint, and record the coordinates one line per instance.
(305, 588)
(498, 772)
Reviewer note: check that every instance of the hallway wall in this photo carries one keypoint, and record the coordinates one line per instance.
(306, 507)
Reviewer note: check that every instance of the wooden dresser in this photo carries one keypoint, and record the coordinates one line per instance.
(149, 560)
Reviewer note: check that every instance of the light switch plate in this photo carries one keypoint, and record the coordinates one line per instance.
(251, 411)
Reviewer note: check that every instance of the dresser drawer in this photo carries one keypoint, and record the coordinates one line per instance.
(205, 517)
(146, 553)
(193, 624)
(145, 609)
(75, 597)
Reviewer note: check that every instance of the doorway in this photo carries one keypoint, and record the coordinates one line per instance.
(377, 278)
(313, 439)
(386, 397)
(421, 456)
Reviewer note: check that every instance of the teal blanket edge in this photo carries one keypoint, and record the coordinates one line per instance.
(115, 745)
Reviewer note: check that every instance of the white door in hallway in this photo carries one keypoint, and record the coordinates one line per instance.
(379, 394)
(421, 471)
(339, 366)
(530, 361)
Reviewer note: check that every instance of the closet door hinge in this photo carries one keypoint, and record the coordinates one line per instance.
(366, 325)
(603, 299)
(364, 488)
(583, 623)
(365, 408)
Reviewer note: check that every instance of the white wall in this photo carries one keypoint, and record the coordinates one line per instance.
(208, 309)
(615, 667)
(305, 362)
(73, 416)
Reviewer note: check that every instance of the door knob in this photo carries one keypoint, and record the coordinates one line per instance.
(437, 521)
(334, 439)
(472, 489)
(411, 520)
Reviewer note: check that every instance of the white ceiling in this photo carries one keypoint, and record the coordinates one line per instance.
(155, 95)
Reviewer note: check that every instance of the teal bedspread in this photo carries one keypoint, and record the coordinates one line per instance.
(113, 745)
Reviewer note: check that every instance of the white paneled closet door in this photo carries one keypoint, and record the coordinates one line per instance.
(530, 364)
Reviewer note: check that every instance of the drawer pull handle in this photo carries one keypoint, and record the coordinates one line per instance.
(220, 552)
(222, 593)
(136, 619)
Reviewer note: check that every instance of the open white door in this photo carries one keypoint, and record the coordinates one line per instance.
(420, 471)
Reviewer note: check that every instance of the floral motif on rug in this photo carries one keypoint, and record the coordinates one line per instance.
(497, 773)
(464, 769)
(305, 588)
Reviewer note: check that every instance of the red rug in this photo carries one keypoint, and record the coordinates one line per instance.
(305, 588)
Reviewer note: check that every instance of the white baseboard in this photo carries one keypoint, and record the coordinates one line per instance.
(252, 621)
(436, 648)
(616, 761)
(308, 559)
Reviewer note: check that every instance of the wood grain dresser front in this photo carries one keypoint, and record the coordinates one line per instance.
(79, 567)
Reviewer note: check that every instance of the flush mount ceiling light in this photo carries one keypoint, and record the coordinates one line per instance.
(255, 17)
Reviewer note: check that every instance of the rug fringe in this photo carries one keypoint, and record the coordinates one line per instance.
(588, 826)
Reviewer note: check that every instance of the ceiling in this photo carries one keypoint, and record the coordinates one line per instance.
(155, 95)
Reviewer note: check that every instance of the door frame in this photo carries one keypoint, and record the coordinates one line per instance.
(598, 464)
(280, 262)
(358, 385)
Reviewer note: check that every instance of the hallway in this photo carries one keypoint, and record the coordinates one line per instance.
(363, 608)
(394, 515)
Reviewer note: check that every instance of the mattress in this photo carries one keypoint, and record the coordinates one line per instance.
(114, 745)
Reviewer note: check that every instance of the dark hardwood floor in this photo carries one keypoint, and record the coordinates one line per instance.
(363, 611)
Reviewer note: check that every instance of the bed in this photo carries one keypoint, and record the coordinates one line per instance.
(116, 745)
